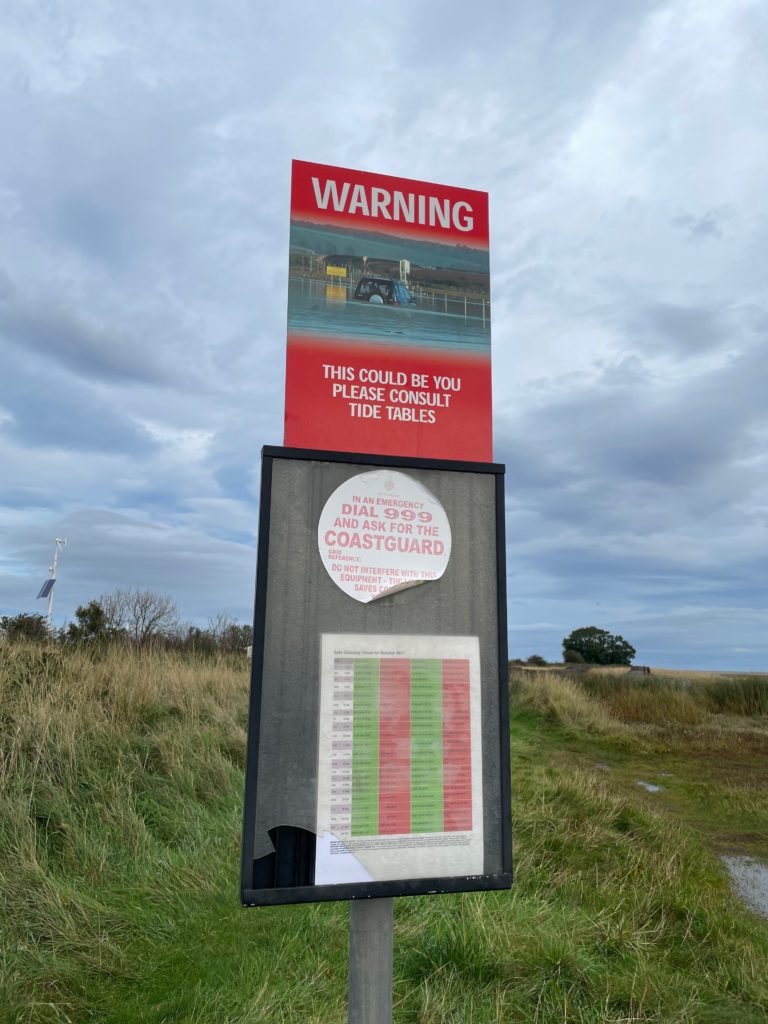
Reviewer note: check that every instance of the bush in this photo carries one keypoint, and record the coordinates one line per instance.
(25, 627)
(571, 657)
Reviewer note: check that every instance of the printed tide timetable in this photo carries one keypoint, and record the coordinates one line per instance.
(399, 759)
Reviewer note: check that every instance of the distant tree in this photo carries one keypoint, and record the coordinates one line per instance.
(196, 640)
(150, 615)
(219, 626)
(228, 634)
(143, 615)
(598, 647)
(115, 608)
(536, 659)
(25, 626)
(237, 638)
(222, 636)
(90, 624)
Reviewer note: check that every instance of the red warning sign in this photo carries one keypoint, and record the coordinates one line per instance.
(389, 316)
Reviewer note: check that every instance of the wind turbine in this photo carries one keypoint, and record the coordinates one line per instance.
(47, 588)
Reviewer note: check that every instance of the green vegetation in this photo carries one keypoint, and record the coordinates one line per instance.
(120, 804)
(25, 626)
(597, 647)
(131, 617)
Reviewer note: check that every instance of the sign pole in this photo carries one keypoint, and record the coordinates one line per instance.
(370, 961)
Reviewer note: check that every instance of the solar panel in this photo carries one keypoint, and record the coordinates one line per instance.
(46, 588)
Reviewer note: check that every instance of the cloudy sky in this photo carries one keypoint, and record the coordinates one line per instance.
(144, 199)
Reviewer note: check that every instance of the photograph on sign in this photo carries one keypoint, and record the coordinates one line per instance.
(389, 316)
(399, 761)
(381, 532)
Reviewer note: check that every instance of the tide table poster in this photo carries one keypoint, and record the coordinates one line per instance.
(399, 761)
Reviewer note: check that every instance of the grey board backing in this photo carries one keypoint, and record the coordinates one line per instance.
(303, 603)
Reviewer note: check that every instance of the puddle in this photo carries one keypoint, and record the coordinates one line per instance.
(650, 786)
(750, 880)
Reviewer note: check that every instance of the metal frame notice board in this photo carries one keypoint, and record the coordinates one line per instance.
(378, 736)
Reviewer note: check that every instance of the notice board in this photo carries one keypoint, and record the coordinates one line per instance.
(389, 316)
(378, 760)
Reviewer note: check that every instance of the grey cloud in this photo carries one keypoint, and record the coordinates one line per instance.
(42, 497)
(714, 632)
(235, 480)
(7, 286)
(105, 352)
(670, 327)
(53, 413)
(680, 329)
(95, 227)
(623, 492)
(624, 567)
(118, 159)
(204, 574)
(709, 225)
(145, 198)
(563, 41)
(671, 435)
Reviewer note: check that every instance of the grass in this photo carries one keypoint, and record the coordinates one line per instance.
(120, 804)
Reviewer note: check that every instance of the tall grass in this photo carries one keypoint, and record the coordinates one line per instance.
(558, 698)
(744, 696)
(602, 701)
(112, 765)
(120, 809)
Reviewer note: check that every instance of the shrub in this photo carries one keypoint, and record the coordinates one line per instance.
(25, 627)
(571, 657)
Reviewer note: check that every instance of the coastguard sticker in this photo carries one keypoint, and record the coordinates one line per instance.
(381, 532)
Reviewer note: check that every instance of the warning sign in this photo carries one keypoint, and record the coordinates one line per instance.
(389, 316)
(381, 532)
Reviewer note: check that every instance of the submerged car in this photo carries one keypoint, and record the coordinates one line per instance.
(382, 291)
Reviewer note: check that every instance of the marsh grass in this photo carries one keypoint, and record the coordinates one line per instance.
(557, 698)
(603, 701)
(747, 696)
(120, 808)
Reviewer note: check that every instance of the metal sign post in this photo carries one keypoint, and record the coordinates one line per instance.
(370, 961)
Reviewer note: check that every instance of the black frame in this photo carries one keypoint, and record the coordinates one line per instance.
(284, 894)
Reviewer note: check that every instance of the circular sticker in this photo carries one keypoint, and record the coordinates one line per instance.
(383, 531)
